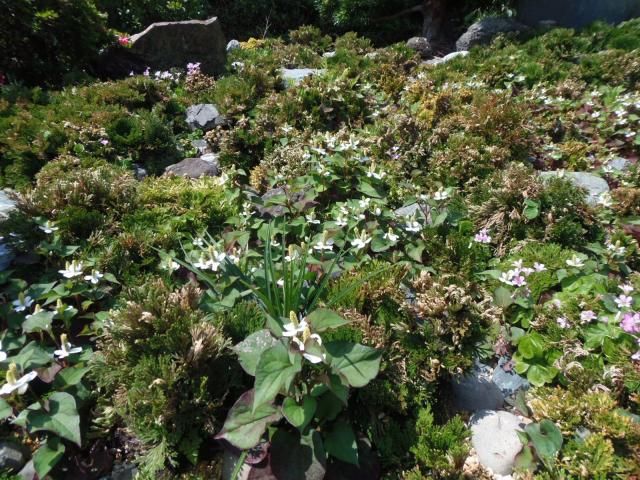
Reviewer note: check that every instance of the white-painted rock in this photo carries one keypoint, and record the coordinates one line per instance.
(593, 184)
(293, 76)
(495, 439)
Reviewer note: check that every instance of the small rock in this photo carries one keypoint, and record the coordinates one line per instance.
(202, 146)
(494, 437)
(420, 45)
(13, 456)
(293, 76)
(476, 391)
(618, 164)
(28, 472)
(6, 204)
(139, 172)
(593, 184)
(329, 54)
(484, 31)
(204, 116)
(195, 168)
(233, 45)
(509, 382)
(411, 210)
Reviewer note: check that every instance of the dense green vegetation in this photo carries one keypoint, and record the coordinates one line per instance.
(176, 317)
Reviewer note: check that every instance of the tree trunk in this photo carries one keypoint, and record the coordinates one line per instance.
(434, 12)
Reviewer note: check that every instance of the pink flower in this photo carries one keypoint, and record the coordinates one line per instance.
(587, 316)
(631, 323)
(623, 301)
(123, 41)
(562, 322)
(636, 356)
(539, 267)
(519, 281)
(482, 236)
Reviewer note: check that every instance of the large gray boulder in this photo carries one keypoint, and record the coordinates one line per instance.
(204, 116)
(593, 184)
(164, 45)
(484, 31)
(576, 13)
(204, 166)
(494, 437)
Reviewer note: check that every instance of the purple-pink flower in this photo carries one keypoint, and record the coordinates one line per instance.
(623, 301)
(631, 322)
(482, 236)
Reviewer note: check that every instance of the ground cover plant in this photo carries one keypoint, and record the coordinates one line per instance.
(376, 232)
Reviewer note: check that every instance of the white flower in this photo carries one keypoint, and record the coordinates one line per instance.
(22, 303)
(94, 278)
(322, 170)
(48, 227)
(3, 354)
(441, 195)
(341, 221)
(170, 265)
(198, 241)
(364, 203)
(623, 301)
(588, 316)
(605, 200)
(626, 288)
(325, 243)
(66, 348)
(280, 282)
(72, 269)
(411, 225)
(539, 267)
(563, 322)
(361, 241)
(575, 261)
(392, 237)
(311, 218)
(293, 328)
(14, 383)
(518, 264)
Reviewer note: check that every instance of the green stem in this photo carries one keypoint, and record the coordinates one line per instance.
(239, 464)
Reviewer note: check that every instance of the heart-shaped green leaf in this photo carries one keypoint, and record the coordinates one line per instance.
(47, 456)
(324, 319)
(274, 372)
(299, 415)
(356, 363)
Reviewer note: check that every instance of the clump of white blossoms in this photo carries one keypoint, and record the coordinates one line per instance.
(72, 269)
(16, 384)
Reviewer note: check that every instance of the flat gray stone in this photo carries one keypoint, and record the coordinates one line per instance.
(13, 456)
(593, 184)
(494, 437)
(293, 76)
(164, 45)
(509, 382)
(446, 58)
(195, 167)
(476, 391)
(204, 116)
(619, 164)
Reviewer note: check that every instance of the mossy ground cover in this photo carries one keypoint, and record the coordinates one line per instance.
(126, 296)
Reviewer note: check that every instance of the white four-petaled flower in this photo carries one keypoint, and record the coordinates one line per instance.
(72, 269)
(66, 348)
(16, 384)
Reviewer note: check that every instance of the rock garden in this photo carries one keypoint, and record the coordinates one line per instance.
(318, 254)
